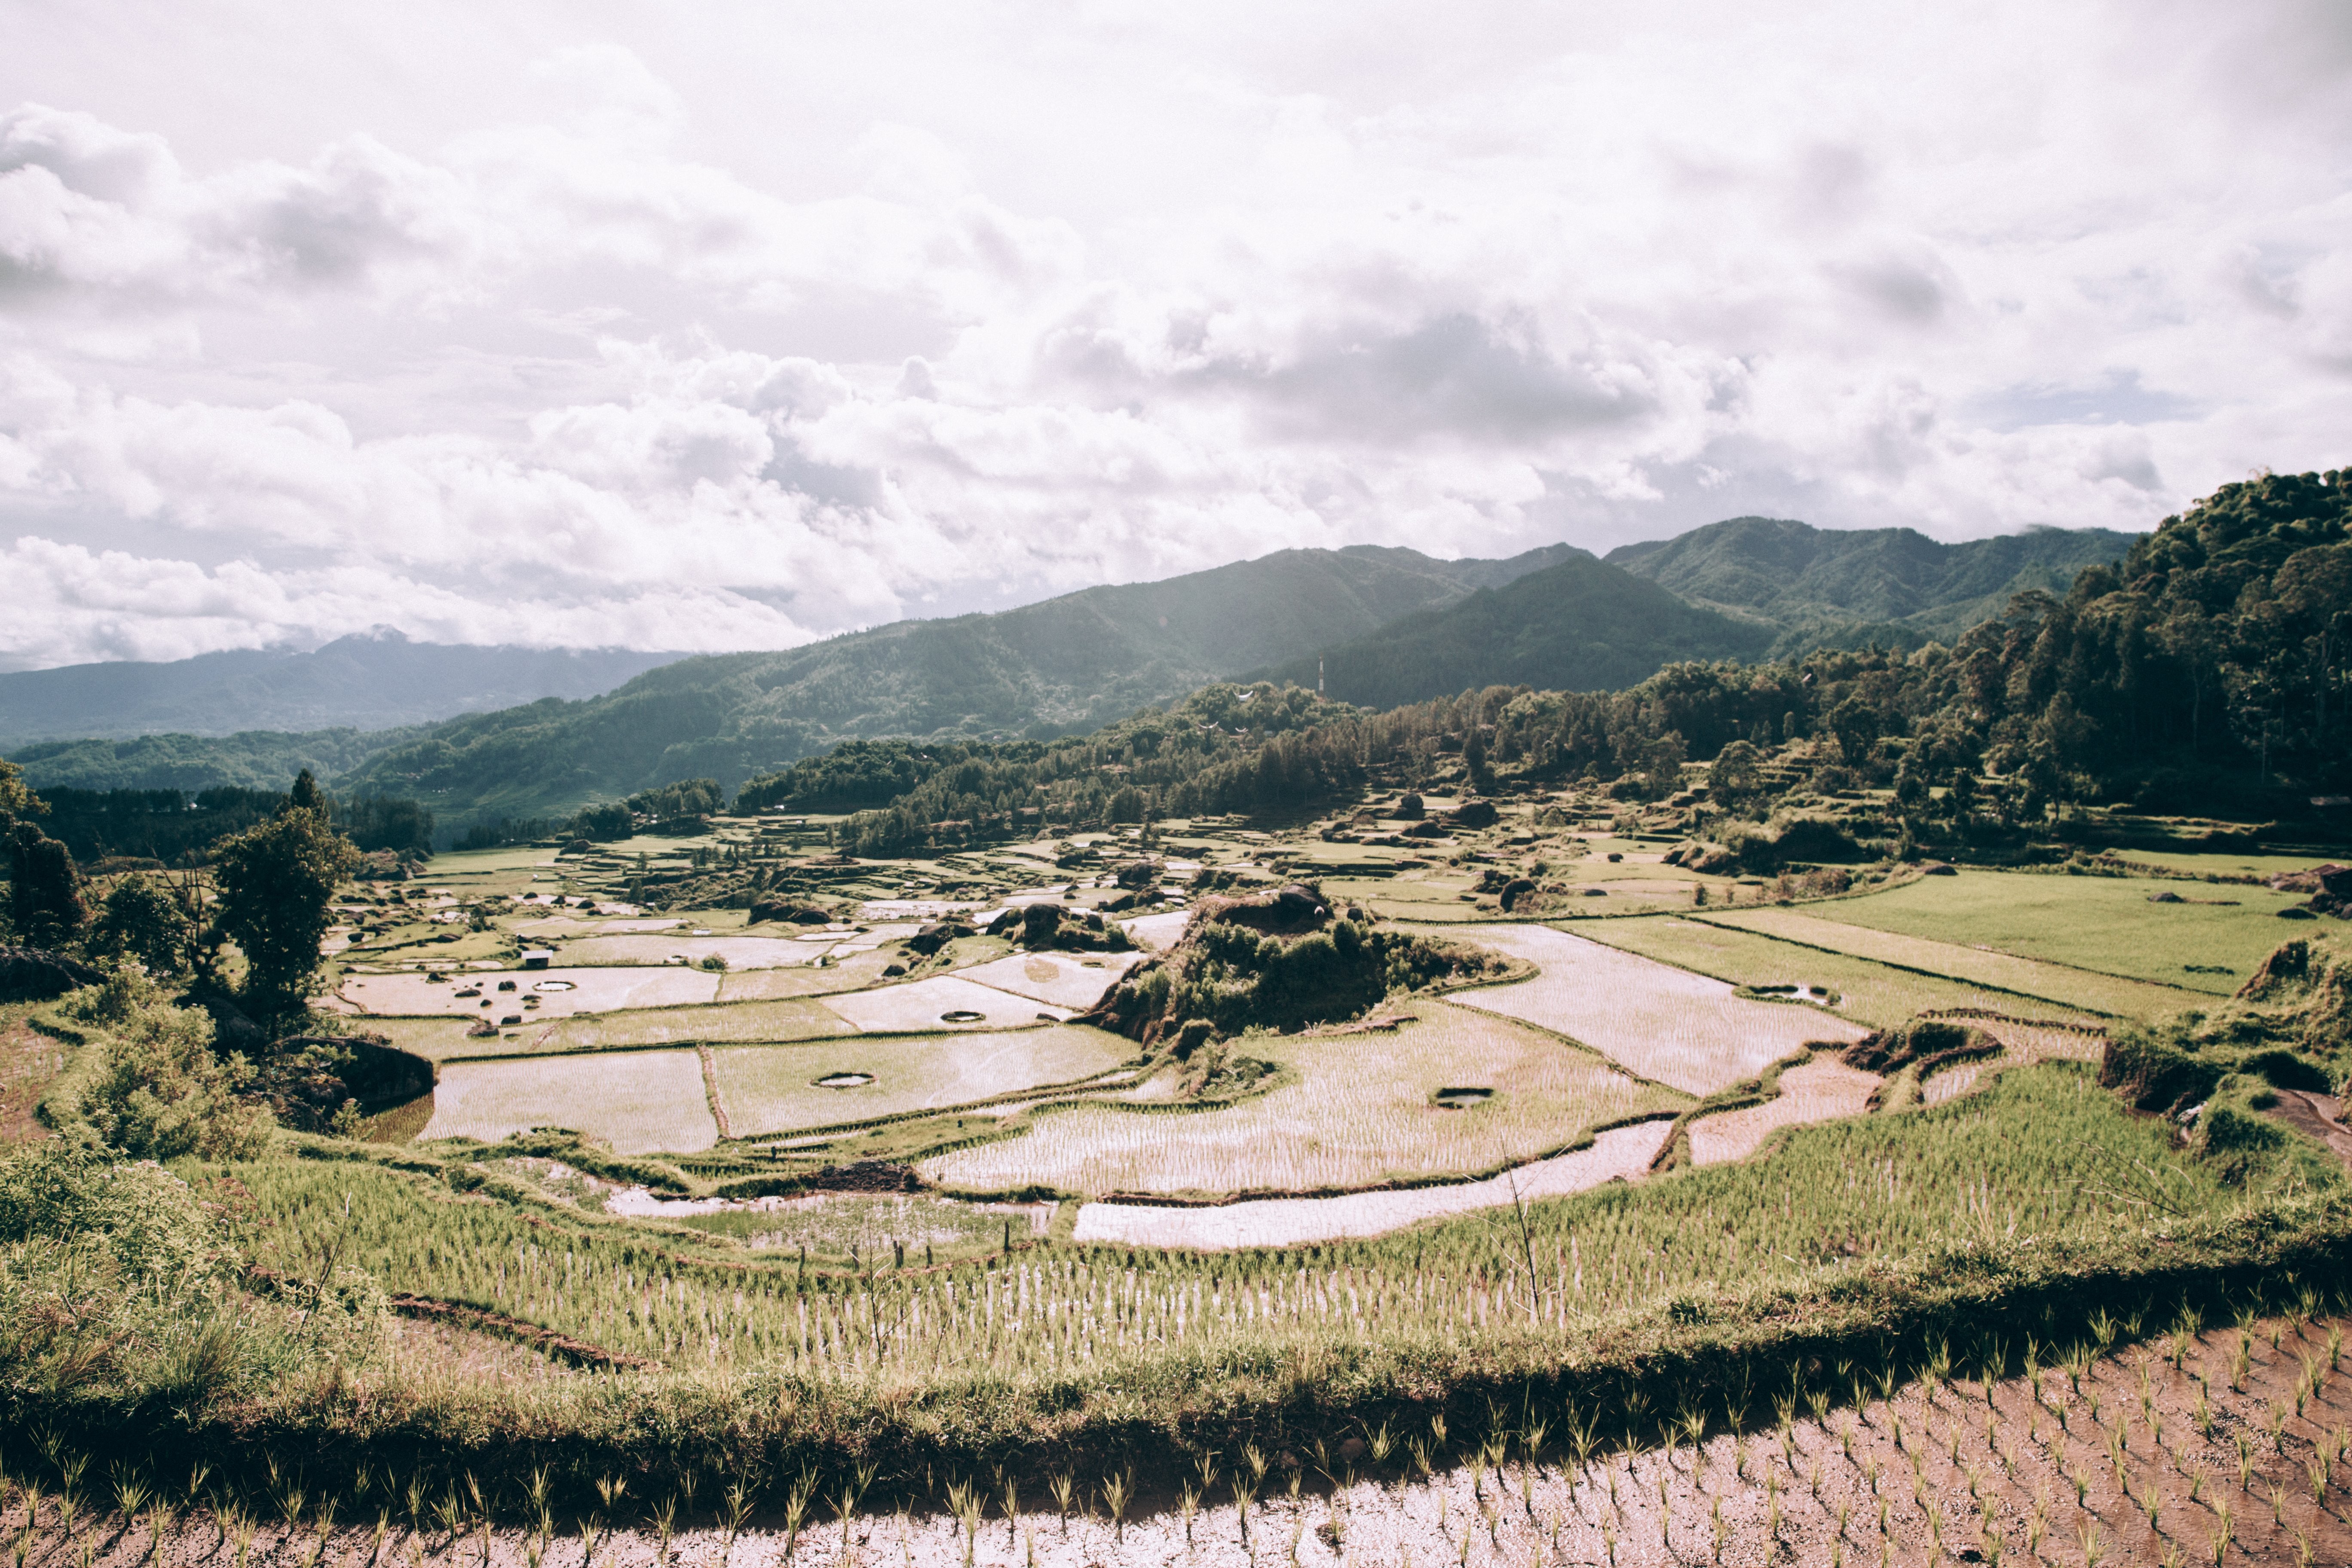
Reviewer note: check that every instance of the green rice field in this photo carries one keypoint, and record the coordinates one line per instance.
(2104, 925)
(2050, 983)
(1877, 994)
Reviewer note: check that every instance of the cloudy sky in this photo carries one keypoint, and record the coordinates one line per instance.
(712, 325)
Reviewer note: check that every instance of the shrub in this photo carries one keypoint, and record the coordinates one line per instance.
(159, 1093)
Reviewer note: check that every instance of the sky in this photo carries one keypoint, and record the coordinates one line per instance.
(707, 325)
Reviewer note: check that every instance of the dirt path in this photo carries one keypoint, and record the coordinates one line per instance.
(2107, 1462)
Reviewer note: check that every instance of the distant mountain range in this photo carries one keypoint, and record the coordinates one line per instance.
(374, 680)
(1386, 626)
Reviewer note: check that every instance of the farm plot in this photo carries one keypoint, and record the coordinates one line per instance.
(2027, 976)
(1872, 993)
(1361, 1109)
(1065, 979)
(785, 1088)
(641, 1102)
(559, 993)
(746, 1021)
(1822, 1089)
(1619, 1154)
(922, 1007)
(1665, 1024)
(1159, 933)
(2104, 925)
(571, 926)
(739, 951)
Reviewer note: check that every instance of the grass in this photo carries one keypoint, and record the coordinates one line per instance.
(2105, 924)
(2051, 982)
(831, 1223)
(772, 1088)
(1874, 994)
(638, 1101)
(1357, 1110)
(1663, 1023)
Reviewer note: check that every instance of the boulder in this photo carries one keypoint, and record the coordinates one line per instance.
(2166, 897)
(1410, 808)
(787, 910)
(1515, 889)
(1141, 874)
(1293, 910)
(1474, 813)
(933, 937)
(1938, 868)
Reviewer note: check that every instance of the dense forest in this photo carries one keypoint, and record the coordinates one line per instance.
(2205, 672)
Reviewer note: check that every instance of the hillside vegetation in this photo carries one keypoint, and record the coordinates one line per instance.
(1848, 586)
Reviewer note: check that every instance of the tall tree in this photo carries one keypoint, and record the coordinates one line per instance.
(275, 881)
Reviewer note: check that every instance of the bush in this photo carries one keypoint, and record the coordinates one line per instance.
(158, 1091)
(144, 1220)
(142, 919)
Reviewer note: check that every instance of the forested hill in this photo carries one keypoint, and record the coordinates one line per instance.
(1581, 626)
(376, 680)
(2204, 673)
(1070, 663)
(1845, 587)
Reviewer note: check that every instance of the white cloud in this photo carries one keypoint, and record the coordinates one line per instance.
(560, 329)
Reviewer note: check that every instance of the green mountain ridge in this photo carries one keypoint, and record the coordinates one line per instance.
(1822, 586)
(1066, 664)
(1581, 625)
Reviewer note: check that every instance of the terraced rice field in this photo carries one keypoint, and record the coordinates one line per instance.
(2026, 976)
(559, 993)
(1619, 1154)
(1060, 979)
(1360, 1110)
(641, 1102)
(739, 951)
(2209, 941)
(776, 1088)
(943, 1001)
(1822, 1089)
(786, 1018)
(1874, 994)
(1664, 1023)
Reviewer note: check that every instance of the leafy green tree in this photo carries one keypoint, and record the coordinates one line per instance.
(142, 919)
(274, 883)
(45, 889)
(1736, 776)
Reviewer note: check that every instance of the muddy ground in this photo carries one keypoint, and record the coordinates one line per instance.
(2232, 1453)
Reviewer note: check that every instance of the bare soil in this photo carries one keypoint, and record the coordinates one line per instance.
(2118, 1467)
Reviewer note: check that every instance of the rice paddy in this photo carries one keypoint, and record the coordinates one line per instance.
(1869, 993)
(778, 1088)
(2202, 936)
(1821, 1090)
(2037, 1153)
(638, 1101)
(920, 1006)
(2048, 982)
(1664, 1024)
(1064, 980)
(1355, 1108)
